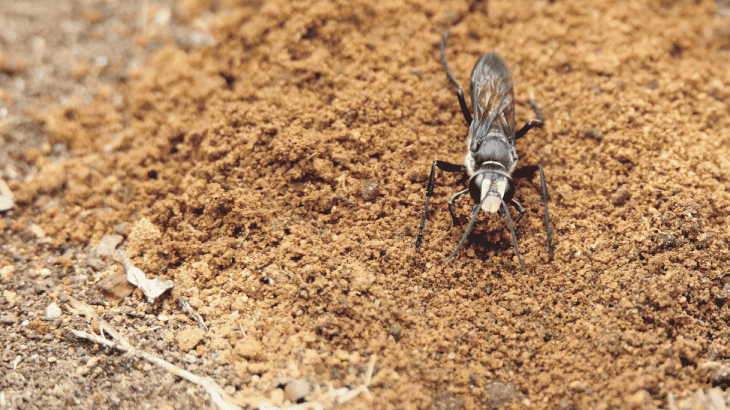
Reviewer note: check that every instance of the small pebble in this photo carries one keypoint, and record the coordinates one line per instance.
(7, 272)
(8, 318)
(593, 133)
(107, 245)
(6, 197)
(53, 311)
(277, 397)
(37, 231)
(297, 390)
(190, 358)
(6, 203)
(622, 195)
(370, 191)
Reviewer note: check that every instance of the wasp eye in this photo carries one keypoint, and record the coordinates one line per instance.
(475, 187)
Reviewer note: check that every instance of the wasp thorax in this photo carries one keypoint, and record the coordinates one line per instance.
(489, 188)
(494, 150)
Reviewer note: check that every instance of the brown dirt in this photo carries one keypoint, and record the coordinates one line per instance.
(278, 179)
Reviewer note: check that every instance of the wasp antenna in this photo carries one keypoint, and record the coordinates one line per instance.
(537, 110)
(450, 76)
(475, 212)
(514, 237)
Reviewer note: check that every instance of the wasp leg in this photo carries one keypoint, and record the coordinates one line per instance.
(474, 213)
(514, 237)
(459, 91)
(444, 166)
(532, 123)
(519, 209)
(451, 206)
(545, 199)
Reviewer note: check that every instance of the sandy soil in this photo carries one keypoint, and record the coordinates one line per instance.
(278, 178)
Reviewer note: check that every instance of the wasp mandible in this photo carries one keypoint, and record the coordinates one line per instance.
(491, 156)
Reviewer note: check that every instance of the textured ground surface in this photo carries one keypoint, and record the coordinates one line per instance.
(278, 179)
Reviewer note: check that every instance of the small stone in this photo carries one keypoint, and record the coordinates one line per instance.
(97, 264)
(638, 400)
(53, 311)
(499, 394)
(122, 228)
(107, 245)
(258, 368)
(37, 231)
(277, 397)
(6, 197)
(6, 203)
(593, 133)
(721, 377)
(190, 358)
(11, 297)
(579, 385)
(7, 272)
(52, 359)
(115, 285)
(622, 195)
(371, 190)
(297, 390)
(8, 319)
(274, 274)
(395, 331)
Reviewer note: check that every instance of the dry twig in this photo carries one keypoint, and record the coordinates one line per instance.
(183, 303)
(220, 398)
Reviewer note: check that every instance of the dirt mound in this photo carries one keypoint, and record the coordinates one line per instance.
(278, 179)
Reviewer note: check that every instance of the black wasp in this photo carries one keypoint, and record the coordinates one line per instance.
(491, 157)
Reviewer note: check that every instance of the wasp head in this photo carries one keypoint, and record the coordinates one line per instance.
(490, 187)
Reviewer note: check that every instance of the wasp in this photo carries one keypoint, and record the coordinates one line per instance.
(491, 156)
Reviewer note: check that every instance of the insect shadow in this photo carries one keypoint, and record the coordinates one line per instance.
(491, 156)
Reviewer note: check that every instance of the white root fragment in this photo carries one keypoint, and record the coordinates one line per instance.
(184, 305)
(6, 197)
(215, 392)
(151, 288)
(222, 400)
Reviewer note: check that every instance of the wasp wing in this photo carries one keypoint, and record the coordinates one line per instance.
(493, 97)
